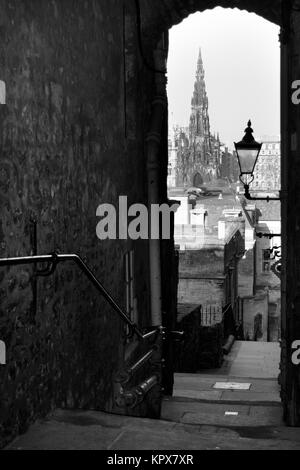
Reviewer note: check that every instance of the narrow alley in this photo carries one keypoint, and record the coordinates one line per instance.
(149, 225)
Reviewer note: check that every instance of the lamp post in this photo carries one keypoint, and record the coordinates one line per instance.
(247, 151)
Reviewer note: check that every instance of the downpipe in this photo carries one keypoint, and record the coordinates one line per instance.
(153, 141)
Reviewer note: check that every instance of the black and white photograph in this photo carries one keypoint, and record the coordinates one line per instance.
(149, 228)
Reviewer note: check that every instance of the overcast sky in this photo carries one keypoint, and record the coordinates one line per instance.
(241, 57)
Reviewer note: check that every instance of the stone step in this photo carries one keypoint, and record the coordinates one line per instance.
(222, 414)
(94, 430)
(202, 388)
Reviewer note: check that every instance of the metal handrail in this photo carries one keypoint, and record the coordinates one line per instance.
(55, 258)
(135, 396)
(124, 376)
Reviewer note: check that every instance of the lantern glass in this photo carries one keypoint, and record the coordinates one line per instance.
(247, 158)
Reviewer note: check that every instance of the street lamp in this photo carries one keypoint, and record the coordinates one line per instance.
(247, 151)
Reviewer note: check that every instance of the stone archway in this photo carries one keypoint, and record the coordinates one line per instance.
(157, 20)
(161, 15)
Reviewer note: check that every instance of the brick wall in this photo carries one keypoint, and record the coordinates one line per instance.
(201, 291)
(207, 261)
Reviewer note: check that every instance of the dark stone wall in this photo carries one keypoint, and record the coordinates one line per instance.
(69, 140)
(290, 273)
(202, 345)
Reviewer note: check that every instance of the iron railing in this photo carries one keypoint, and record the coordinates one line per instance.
(54, 259)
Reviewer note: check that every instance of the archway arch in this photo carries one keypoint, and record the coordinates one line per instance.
(162, 15)
(172, 12)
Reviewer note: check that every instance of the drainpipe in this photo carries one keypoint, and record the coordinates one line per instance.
(153, 140)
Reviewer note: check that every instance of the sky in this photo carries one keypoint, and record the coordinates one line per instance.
(241, 58)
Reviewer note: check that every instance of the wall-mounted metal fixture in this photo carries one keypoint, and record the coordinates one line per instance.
(267, 235)
(277, 268)
(247, 151)
(275, 252)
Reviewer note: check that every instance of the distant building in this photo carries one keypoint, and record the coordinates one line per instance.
(229, 165)
(172, 161)
(222, 259)
(177, 143)
(267, 170)
(210, 240)
(259, 286)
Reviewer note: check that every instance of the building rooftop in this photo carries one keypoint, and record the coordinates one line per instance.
(216, 207)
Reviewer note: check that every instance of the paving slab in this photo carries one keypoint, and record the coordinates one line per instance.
(232, 385)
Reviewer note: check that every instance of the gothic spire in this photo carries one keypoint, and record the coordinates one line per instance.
(200, 69)
(199, 96)
(199, 120)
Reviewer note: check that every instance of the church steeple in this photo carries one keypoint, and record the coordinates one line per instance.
(200, 69)
(199, 121)
(200, 158)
